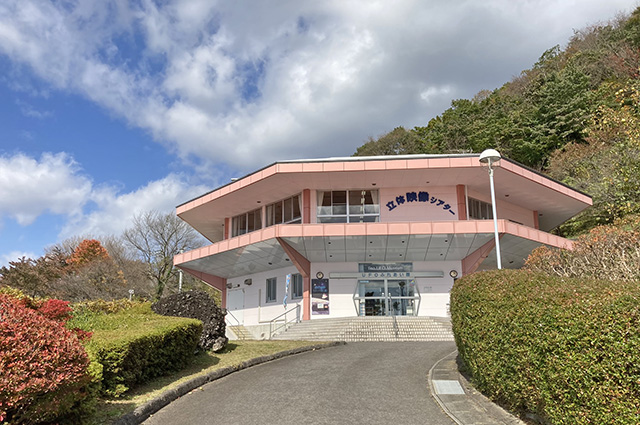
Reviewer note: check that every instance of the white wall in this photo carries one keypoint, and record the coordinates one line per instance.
(256, 309)
(340, 290)
(434, 292)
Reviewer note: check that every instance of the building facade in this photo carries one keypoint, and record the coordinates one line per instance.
(363, 236)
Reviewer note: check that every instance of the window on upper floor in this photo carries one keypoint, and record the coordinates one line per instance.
(247, 222)
(286, 211)
(348, 206)
(480, 210)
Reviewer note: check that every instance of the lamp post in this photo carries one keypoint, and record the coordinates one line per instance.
(490, 157)
(180, 276)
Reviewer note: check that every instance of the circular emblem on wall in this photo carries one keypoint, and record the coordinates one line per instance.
(319, 275)
(453, 273)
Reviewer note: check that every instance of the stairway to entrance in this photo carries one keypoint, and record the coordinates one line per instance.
(240, 332)
(360, 329)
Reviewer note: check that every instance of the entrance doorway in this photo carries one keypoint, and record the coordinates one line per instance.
(235, 306)
(387, 297)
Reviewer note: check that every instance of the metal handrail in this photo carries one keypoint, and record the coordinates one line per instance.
(234, 317)
(285, 323)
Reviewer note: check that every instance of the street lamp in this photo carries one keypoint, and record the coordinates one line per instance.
(490, 157)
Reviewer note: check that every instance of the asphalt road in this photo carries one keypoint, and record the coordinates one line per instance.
(357, 383)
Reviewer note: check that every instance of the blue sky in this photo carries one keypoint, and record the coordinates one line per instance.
(111, 108)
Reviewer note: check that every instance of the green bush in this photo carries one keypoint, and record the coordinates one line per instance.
(134, 345)
(567, 350)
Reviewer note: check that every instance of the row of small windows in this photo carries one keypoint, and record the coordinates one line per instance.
(337, 206)
(296, 288)
(479, 210)
(348, 206)
(284, 211)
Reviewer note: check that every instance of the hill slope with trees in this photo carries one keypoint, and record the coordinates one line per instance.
(574, 115)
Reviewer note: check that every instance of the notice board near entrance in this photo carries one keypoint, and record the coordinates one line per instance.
(319, 296)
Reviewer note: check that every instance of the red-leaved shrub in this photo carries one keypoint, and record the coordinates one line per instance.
(57, 310)
(43, 366)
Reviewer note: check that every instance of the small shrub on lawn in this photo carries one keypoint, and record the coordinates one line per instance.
(44, 370)
(135, 345)
(565, 349)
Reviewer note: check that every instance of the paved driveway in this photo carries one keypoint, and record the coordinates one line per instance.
(357, 383)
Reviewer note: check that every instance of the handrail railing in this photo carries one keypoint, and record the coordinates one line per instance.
(234, 318)
(285, 323)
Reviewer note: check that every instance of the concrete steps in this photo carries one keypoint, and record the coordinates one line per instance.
(240, 332)
(403, 328)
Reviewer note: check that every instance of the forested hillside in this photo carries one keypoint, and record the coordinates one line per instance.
(574, 115)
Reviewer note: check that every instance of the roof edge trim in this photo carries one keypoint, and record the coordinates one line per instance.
(385, 158)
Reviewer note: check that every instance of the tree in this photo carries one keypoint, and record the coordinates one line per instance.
(34, 277)
(157, 237)
(102, 267)
(397, 142)
(87, 251)
(607, 166)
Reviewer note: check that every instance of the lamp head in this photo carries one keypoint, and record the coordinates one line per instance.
(489, 157)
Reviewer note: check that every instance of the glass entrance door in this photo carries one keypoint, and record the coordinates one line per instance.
(386, 297)
(402, 297)
(372, 296)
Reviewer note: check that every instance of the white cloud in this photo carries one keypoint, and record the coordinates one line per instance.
(30, 187)
(114, 211)
(55, 184)
(247, 83)
(29, 111)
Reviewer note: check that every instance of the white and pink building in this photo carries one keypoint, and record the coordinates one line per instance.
(367, 235)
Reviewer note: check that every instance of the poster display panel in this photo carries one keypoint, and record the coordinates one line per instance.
(320, 296)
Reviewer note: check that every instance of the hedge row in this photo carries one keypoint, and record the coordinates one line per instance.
(566, 350)
(136, 345)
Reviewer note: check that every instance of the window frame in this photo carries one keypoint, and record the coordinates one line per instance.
(297, 280)
(348, 216)
(256, 223)
(480, 210)
(278, 208)
(271, 281)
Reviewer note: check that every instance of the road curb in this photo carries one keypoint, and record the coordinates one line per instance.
(466, 406)
(435, 395)
(141, 413)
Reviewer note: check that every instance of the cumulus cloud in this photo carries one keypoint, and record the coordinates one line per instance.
(30, 187)
(246, 83)
(113, 211)
(55, 184)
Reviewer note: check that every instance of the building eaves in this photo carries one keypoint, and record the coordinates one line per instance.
(381, 158)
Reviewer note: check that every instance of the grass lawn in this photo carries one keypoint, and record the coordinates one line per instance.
(235, 353)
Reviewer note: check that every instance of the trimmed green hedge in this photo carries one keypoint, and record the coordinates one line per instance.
(567, 350)
(135, 345)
